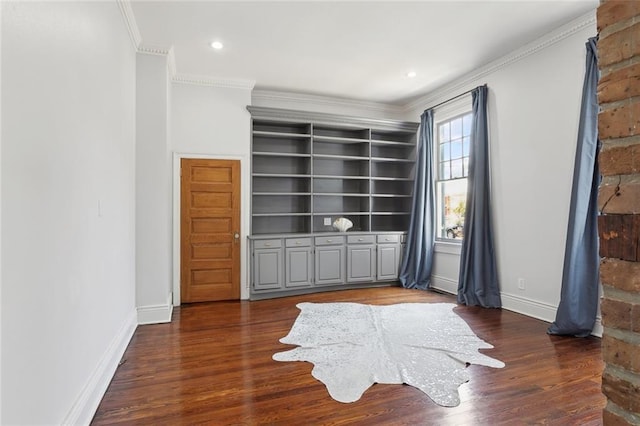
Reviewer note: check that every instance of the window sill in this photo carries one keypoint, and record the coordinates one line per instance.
(448, 247)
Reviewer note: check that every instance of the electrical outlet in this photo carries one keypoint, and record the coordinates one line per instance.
(327, 221)
(521, 283)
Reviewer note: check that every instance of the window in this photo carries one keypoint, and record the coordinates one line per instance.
(452, 158)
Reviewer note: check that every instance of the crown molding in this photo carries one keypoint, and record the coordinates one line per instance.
(263, 95)
(525, 51)
(149, 49)
(201, 80)
(130, 22)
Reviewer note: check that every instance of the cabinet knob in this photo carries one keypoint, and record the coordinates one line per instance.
(267, 244)
(298, 243)
(360, 239)
(329, 241)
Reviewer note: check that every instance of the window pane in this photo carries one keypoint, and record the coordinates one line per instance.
(456, 128)
(445, 170)
(444, 132)
(465, 146)
(456, 149)
(466, 125)
(444, 152)
(452, 198)
(466, 166)
(456, 169)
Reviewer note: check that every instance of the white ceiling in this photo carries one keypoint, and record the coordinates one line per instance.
(356, 50)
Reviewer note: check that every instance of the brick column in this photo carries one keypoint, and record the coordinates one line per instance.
(619, 201)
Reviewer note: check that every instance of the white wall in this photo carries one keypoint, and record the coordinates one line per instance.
(1, 21)
(68, 135)
(153, 190)
(534, 106)
(212, 122)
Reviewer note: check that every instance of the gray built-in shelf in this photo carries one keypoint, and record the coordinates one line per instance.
(310, 166)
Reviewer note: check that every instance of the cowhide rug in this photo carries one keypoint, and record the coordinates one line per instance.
(353, 346)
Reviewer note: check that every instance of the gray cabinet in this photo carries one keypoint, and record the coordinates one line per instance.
(307, 263)
(330, 260)
(361, 258)
(267, 265)
(388, 258)
(298, 263)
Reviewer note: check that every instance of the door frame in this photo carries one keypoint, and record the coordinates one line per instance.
(244, 218)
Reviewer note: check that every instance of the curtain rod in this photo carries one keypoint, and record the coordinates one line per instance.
(455, 97)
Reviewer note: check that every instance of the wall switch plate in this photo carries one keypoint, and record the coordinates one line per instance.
(521, 283)
(327, 221)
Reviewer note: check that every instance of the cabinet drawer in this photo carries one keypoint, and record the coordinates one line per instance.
(297, 242)
(389, 238)
(361, 239)
(261, 244)
(329, 241)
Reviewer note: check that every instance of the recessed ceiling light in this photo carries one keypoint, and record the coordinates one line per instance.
(217, 45)
(411, 74)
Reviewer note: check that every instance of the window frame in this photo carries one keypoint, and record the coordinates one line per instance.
(447, 112)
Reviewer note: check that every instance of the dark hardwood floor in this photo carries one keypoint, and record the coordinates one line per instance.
(212, 365)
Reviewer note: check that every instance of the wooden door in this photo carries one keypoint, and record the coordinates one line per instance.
(210, 230)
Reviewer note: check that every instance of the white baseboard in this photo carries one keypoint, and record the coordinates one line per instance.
(540, 310)
(529, 307)
(444, 284)
(86, 404)
(156, 314)
(522, 305)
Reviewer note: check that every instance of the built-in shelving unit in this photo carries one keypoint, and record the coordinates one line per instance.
(309, 169)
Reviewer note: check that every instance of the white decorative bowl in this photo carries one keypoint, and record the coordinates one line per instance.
(342, 224)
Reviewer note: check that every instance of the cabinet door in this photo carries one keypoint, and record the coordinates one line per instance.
(298, 267)
(267, 269)
(330, 268)
(361, 263)
(388, 259)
